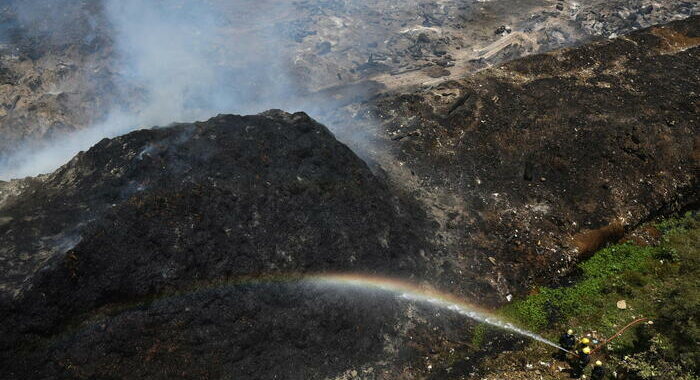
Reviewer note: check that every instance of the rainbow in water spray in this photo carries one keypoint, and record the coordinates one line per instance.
(403, 289)
(415, 293)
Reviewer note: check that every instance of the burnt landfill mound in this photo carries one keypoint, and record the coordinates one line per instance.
(133, 259)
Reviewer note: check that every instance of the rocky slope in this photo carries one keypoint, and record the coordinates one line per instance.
(55, 74)
(533, 164)
(406, 43)
(59, 70)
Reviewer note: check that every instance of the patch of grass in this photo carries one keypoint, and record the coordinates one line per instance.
(609, 266)
(478, 335)
(681, 225)
(658, 282)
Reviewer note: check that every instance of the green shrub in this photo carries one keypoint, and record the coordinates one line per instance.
(615, 259)
(633, 279)
(655, 362)
(680, 225)
(531, 311)
(599, 273)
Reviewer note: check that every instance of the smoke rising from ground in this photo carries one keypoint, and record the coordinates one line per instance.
(178, 61)
(59, 21)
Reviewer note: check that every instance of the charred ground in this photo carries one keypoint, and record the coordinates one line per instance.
(128, 260)
(177, 213)
(532, 165)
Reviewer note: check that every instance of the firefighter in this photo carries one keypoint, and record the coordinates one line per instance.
(579, 364)
(598, 372)
(567, 341)
(584, 342)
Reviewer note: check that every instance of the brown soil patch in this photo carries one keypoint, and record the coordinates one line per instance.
(674, 41)
(592, 240)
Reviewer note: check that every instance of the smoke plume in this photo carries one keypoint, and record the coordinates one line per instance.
(178, 61)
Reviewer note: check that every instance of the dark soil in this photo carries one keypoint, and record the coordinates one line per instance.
(532, 165)
(160, 212)
(134, 259)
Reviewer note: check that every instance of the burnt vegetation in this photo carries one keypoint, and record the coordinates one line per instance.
(174, 251)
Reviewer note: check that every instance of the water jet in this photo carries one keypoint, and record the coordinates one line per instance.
(432, 297)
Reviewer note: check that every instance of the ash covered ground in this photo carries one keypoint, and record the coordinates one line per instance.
(454, 155)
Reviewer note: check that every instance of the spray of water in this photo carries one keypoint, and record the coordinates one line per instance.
(402, 289)
(428, 296)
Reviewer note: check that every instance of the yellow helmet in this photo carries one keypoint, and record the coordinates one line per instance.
(598, 363)
(570, 332)
(586, 350)
(585, 341)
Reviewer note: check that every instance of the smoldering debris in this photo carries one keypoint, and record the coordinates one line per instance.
(186, 60)
(179, 57)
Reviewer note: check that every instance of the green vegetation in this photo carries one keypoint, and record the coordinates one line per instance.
(611, 267)
(478, 335)
(658, 281)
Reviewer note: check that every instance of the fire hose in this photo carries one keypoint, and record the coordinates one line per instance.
(618, 334)
(606, 341)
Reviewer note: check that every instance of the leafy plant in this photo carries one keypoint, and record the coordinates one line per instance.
(608, 266)
(659, 282)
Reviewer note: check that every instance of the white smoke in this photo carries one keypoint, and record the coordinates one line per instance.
(190, 64)
(59, 21)
(185, 63)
